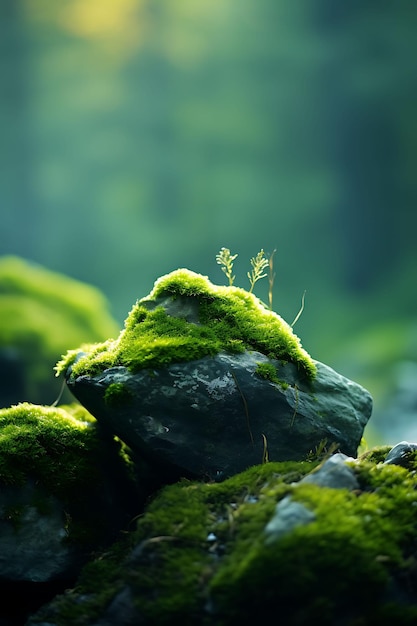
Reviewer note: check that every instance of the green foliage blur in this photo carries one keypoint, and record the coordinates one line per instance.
(41, 314)
(140, 136)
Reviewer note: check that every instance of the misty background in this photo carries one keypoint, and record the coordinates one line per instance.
(140, 136)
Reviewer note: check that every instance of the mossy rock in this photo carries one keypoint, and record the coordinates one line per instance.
(59, 475)
(208, 380)
(42, 313)
(200, 555)
(186, 317)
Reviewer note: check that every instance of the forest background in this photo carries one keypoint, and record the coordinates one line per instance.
(139, 136)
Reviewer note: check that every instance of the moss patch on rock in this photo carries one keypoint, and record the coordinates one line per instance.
(268, 371)
(47, 443)
(212, 319)
(118, 395)
(199, 555)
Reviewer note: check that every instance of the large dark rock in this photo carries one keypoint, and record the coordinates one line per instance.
(216, 416)
(206, 379)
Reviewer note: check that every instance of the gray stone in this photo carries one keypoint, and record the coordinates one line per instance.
(400, 453)
(214, 417)
(288, 515)
(334, 473)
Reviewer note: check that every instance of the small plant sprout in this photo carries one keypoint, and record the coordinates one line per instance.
(259, 263)
(271, 278)
(225, 259)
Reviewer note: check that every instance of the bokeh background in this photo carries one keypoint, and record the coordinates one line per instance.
(139, 136)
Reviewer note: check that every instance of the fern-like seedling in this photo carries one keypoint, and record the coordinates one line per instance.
(225, 259)
(259, 263)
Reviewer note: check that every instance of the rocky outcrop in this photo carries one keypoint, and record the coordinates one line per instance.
(204, 384)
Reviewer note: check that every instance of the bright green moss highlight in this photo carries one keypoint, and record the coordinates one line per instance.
(267, 371)
(200, 553)
(227, 319)
(46, 443)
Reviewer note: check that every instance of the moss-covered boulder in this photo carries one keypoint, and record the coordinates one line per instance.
(42, 313)
(208, 380)
(211, 554)
(65, 491)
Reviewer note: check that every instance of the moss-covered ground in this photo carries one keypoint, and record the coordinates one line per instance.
(199, 554)
(227, 319)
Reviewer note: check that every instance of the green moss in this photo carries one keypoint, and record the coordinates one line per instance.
(117, 395)
(377, 454)
(229, 319)
(86, 304)
(349, 551)
(268, 371)
(61, 452)
(200, 555)
(41, 314)
(45, 442)
(182, 282)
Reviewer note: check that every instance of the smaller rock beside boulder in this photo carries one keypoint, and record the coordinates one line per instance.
(65, 492)
(335, 473)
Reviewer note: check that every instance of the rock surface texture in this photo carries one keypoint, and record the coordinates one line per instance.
(215, 416)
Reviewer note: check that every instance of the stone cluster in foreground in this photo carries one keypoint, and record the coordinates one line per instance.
(209, 477)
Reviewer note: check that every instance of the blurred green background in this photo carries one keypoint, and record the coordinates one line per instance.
(139, 136)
